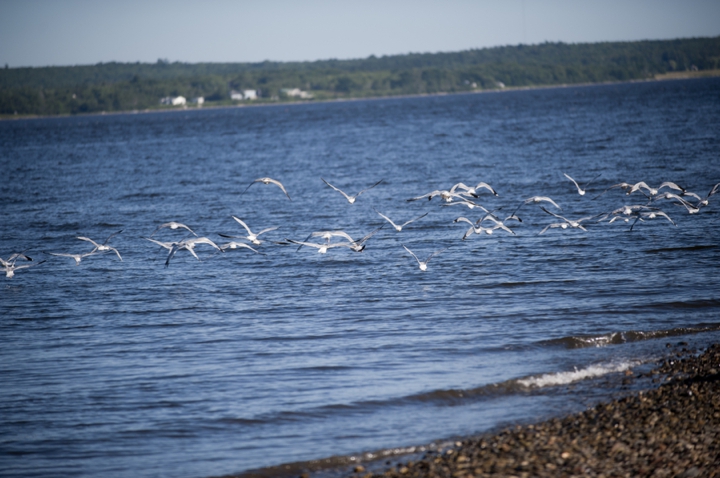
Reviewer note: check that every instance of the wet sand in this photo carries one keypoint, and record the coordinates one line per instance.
(672, 430)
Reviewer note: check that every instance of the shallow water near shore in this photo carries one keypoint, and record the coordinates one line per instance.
(241, 361)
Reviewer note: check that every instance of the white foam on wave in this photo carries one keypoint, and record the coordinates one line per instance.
(564, 378)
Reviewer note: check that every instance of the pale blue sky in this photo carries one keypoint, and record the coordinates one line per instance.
(75, 32)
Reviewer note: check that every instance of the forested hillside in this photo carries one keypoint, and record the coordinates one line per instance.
(136, 86)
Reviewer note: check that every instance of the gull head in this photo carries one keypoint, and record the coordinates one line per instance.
(423, 266)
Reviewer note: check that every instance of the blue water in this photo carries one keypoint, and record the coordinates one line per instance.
(241, 360)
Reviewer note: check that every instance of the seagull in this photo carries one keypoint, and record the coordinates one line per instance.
(355, 245)
(574, 224)
(423, 264)
(652, 215)
(704, 201)
(351, 199)
(327, 235)
(171, 247)
(268, 181)
(238, 245)
(398, 228)
(166, 245)
(466, 202)
(478, 229)
(252, 237)
(669, 196)
(627, 210)
(14, 257)
(10, 267)
(103, 247)
(500, 224)
(189, 244)
(472, 191)
(446, 196)
(624, 186)
(78, 257)
(535, 200)
(563, 225)
(322, 248)
(173, 225)
(580, 190)
(359, 245)
(653, 191)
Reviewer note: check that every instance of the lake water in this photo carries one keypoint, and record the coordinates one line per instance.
(240, 360)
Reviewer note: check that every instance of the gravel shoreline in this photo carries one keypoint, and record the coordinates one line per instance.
(673, 430)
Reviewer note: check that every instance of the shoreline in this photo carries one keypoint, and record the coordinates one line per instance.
(671, 429)
(673, 76)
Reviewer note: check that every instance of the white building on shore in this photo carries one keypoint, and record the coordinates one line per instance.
(243, 95)
(296, 93)
(173, 101)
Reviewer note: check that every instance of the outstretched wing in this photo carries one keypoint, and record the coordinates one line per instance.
(368, 188)
(338, 190)
(413, 220)
(412, 253)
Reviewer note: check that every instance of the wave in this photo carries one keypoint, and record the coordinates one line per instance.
(565, 378)
(336, 464)
(524, 384)
(617, 338)
(685, 248)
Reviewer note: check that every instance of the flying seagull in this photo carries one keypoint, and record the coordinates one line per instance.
(397, 227)
(103, 247)
(173, 225)
(10, 268)
(78, 257)
(581, 191)
(351, 199)
(472, 191)
(423, 264)
(252, 237)
(268, 181)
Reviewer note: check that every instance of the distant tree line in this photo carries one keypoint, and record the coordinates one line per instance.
(135, 86)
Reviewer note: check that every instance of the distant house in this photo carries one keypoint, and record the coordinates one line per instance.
(199, 100)
(173, 100)
(243, 95)
(296, 93)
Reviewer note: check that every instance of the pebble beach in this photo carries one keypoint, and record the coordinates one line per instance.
(673, 430)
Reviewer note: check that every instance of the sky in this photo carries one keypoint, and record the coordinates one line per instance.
(81, 32)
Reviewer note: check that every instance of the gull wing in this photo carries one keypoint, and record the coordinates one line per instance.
(83, 238)
(411, 220)
(412, 253)
(279, 184)
(574, 182)
(111, 236)
(267, 230)
(338, 190)
(369, 188)
(387, 219)
(242, 224)
(434, 254)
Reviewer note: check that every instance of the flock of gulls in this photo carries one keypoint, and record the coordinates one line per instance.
(647, 208)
